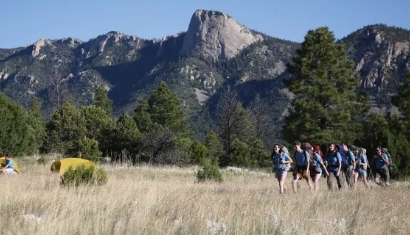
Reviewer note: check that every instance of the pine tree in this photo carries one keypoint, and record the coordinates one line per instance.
(326, 107)
(402, 101)
(162, 110)
(37, 122)
(102, 100)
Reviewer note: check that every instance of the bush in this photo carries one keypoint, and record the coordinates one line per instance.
(42, 160)
(210, 171)
(88, 149)
(84, 175)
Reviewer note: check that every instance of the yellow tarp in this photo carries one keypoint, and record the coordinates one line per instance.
(62, 165)
(3, 161)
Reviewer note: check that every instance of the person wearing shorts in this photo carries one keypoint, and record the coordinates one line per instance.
(281, 162)
(302, 166)
(361, 167)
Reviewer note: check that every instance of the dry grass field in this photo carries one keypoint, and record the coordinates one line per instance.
(168, 200)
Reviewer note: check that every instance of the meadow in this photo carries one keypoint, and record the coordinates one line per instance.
(169, 200)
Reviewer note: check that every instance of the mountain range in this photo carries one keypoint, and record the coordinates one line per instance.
(215, 51)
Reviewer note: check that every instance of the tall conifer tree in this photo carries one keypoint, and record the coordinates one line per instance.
(326, 107)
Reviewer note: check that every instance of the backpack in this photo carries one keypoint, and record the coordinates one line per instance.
(317, 150)
(390, 165)
(342, 155)
(285, 150)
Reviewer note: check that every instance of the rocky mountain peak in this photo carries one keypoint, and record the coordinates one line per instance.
(38, 45)
(217, 35)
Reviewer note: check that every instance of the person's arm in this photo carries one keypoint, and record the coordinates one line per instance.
(384, 158)
(307, 159)
(339, 159)
(364, 162)
(354, 160)
(288, 159)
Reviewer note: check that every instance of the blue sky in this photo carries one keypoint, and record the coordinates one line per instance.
(22, 22)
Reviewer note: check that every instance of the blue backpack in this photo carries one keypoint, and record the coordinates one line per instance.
(342, 155)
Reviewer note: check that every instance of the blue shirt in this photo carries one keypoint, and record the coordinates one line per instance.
(276, 160)
(333, 160)
(350, 157)
(379, 162)
(317, 159)
(10, 164)
(301, 158)
(361, 159)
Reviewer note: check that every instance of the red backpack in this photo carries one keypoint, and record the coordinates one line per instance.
(317, 150)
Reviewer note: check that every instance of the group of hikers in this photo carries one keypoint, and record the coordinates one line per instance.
(344, 163)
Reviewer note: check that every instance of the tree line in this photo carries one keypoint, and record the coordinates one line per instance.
(328, 106)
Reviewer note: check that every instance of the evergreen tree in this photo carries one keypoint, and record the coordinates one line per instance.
(197, 152)
(102, 100)
(37, 122)
(259, 154)
(162, 110)
(234, 122)
(214, 146)
(16, 135)
(142, 117)
(326, 107)
(402, 101)
(65, 128)
(126, 137)
(98, 124)
(240, 155)
(166, 111)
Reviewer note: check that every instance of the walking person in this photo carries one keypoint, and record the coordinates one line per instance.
(334, 167)
(317, 167)
(348, 170)
(361, 167)
(382, 170)
(302, 166)
(281, 162)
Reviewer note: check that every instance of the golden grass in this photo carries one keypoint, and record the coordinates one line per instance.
(168, 200)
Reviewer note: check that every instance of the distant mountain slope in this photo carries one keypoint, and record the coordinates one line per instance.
(214, 51)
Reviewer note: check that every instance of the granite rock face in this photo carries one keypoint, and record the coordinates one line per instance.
(217, 35)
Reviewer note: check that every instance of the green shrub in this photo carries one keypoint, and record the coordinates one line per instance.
(88, 149)
(42, 160)
(83, 175)
(210, 171)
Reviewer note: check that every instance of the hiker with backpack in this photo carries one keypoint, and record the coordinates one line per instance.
(361, 167)
(317, 167)
(281, 162)
(302, 166)
(381, 161)
(334, 167)
(348, 165)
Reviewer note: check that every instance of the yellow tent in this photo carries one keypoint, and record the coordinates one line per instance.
(3, 161)
(63, 164)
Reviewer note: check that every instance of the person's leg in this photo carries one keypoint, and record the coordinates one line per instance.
(306, 175)
(378, 176)
(330, 180)
(282, 181)
(316, 181)
(364, 177)
(356, 176)
(295, 180)
(349, 177)
(278, 177)
(9, 171)
(339, 179)
(386, 176)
